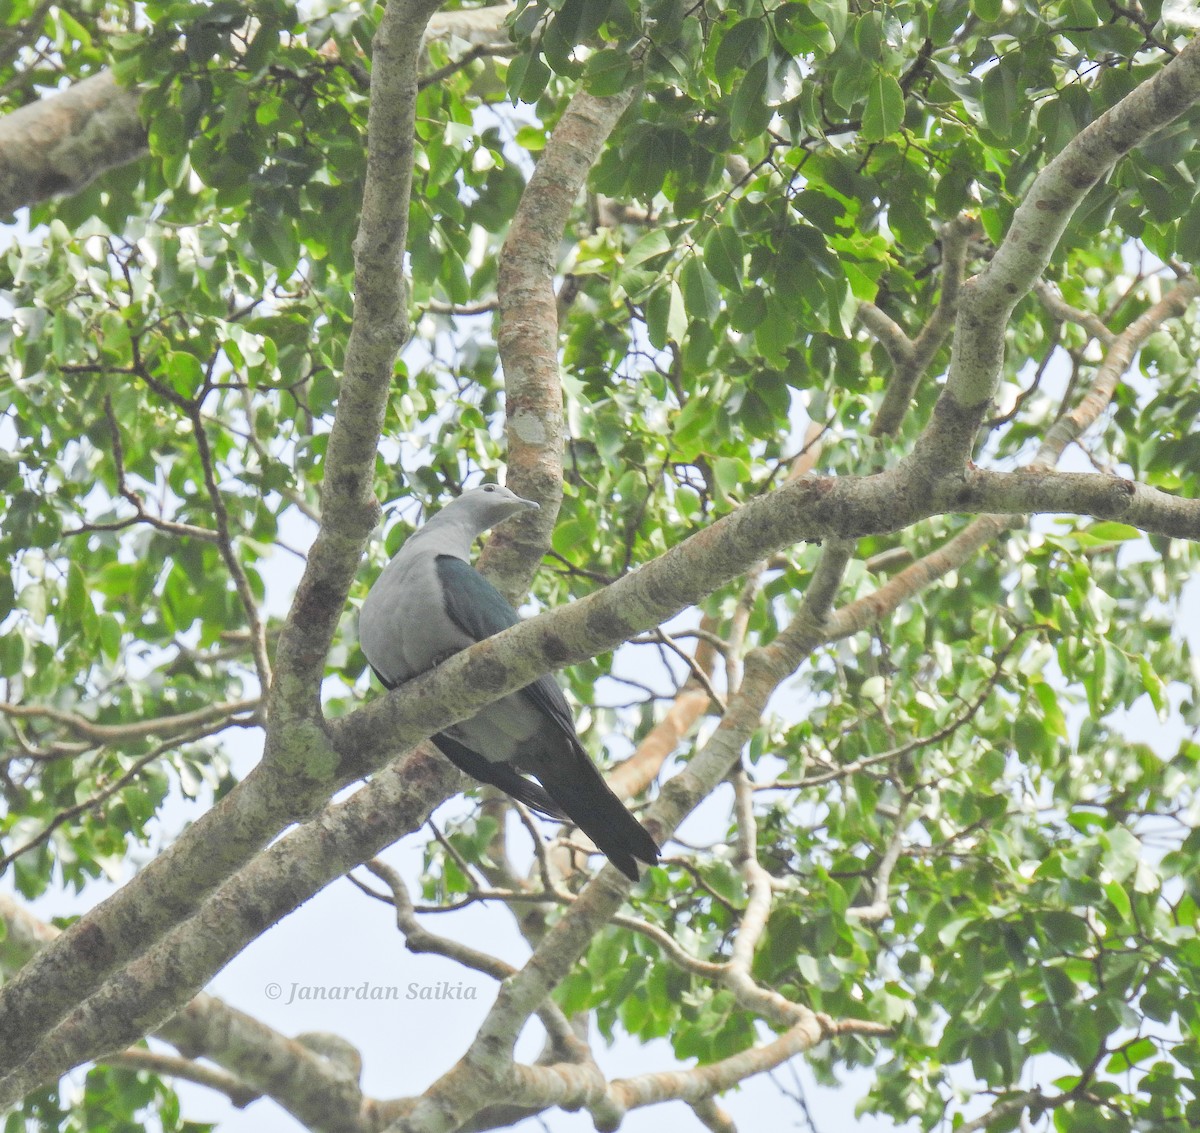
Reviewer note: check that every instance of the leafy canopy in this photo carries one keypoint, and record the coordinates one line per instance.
(170, 367)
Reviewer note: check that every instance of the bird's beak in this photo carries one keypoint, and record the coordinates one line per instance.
(530, 505)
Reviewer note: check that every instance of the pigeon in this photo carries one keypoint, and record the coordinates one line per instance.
(428, 603)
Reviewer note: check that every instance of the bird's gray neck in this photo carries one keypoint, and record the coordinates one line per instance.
(444, 535)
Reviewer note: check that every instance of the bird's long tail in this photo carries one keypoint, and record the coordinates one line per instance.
(579, 789)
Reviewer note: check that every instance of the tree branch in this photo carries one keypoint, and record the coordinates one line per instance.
(138, 729)
(1039, 221)
(528, 332)
(1118, 357)
(349, 509)
(265, 1062)
(58, 145)
(172, 1066)
(911, 359)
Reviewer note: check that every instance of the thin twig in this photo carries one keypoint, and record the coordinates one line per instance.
(241, 582)
(169, 1065)
(697, 672)
(68, 813)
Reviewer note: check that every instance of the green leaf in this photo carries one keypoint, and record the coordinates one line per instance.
(776, 332)
(1109, 532)
(741, 47)
(12, 654)
(748, 314)
(1187, 239)
(110, 637)
(1119, 899)
(701, 295)
(799, 32)
(750, 113)
(527, 78)
(1122, 852)
(1139, 1050)
(833, 14)
(608, 72)
(578, 20)
(885, 108)
(184, 373)
(677, 314)
(1154, 686)
(654, 243)
(8, 595)
(723, 257)
(1048, 699)
(666, 317)
(1001, 98)
(76, 596)
(732, 475)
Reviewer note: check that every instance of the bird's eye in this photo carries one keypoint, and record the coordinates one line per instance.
(489, 487)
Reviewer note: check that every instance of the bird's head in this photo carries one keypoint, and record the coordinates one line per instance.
(487, 506)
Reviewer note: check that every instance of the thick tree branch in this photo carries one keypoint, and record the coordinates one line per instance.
(60, 144)
(349, 509)
(323, 1094)
(1074, 493)
(528, 332)
(910, 359)
(988, 299)
(713, 1117)
(261, 1061)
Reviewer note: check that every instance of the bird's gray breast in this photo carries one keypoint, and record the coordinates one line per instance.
(405, 630)
(403, 627)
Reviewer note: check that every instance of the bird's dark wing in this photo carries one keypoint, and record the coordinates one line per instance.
(480, 610)
(473, 603)
(502, 775)
(560, 762)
